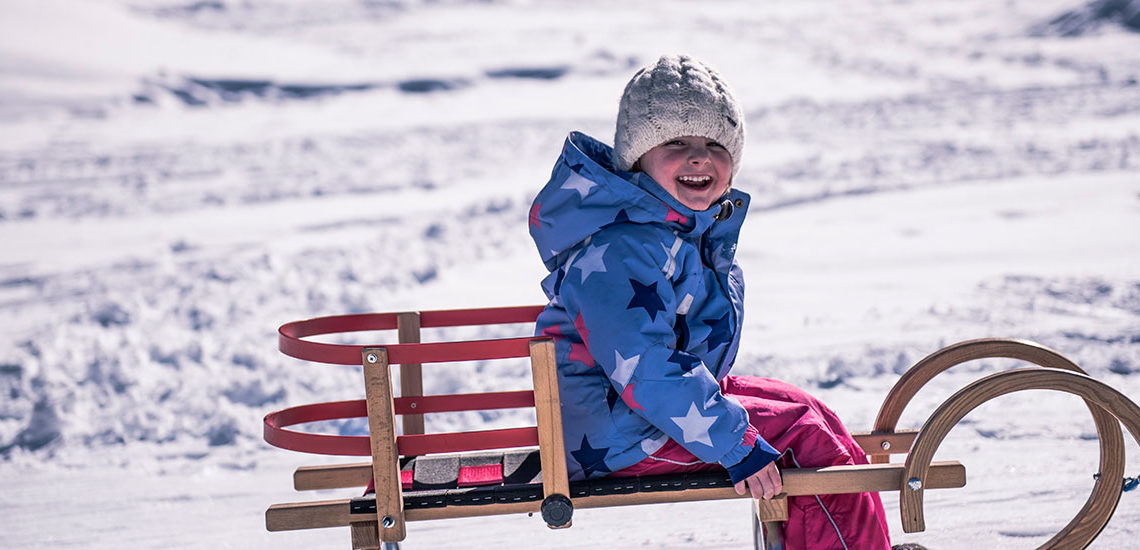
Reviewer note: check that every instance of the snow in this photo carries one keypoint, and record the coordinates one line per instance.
(178, 179)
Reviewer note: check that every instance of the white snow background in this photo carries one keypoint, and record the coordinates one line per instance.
(177, 179)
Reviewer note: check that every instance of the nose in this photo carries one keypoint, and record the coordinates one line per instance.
(699, 154)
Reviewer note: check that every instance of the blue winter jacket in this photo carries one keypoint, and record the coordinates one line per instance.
(646, 307)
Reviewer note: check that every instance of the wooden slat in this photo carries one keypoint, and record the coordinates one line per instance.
(897, 442)
(802, 481)
(365, 535)
(307, 515)
(799, 481)
(382, 436)
(548, 412)
(335, 513)
(774, 509)
(340, 476)
(332, 476)
(411, 374)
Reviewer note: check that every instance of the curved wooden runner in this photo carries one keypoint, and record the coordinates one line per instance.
(1101, 397)
(1105, 495)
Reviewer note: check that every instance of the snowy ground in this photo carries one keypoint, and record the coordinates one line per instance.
(179, 178)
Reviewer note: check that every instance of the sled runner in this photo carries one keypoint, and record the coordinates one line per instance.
(421, 476)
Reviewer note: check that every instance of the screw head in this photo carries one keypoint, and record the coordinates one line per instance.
(914, 483)
(371, 358)
(412, 405)
(886, 445)
(388, 521)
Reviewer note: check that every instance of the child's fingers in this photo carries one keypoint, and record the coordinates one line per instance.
(739, 488)
(774, 481)
(756, 483)
(769, 478)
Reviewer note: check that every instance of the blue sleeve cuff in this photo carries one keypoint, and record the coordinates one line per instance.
(762, 454)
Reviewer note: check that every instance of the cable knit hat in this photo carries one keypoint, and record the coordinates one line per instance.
(676, 96)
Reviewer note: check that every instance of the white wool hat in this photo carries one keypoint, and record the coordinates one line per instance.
(676, 96)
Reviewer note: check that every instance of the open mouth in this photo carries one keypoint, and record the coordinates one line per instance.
(695, 182)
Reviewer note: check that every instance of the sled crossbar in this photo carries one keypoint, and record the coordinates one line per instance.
(599, 493)
(343, 476)
(420, 476)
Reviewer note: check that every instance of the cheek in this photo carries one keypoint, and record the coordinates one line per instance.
(662, 169)
(724, 164)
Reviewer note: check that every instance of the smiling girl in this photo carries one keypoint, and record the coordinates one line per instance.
(646, 310)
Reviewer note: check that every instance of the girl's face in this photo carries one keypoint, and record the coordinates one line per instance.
(695, 170)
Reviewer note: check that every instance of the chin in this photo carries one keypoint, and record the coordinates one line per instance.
(698, 206)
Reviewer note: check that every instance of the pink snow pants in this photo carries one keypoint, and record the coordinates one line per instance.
(809, 434)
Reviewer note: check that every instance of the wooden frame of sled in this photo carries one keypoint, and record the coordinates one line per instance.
(379, 520)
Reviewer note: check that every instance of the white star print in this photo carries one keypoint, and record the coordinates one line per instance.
(651, 445)
(623, 368)
(591, 262)
(686, 303)
(579, 184)
(695, 426)
(671, 261)
(570, 260)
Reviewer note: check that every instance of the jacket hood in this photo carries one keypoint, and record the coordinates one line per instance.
(586, 194)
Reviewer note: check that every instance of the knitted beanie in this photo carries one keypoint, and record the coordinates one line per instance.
(676, 96)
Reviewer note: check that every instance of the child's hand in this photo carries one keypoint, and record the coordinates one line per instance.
(764, 484)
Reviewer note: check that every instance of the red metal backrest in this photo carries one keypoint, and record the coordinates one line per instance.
(291, 342)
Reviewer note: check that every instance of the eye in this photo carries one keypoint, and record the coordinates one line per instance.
(715, 144)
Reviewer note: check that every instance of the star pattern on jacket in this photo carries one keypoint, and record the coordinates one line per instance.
(559, 275)
(687, 361)
(719, 333)
(623, 368)
(552, 331)
(627, 396)
(612, 397)
(651, 445)
(534, 210)
(591, 459)
(646, 297)
(575, 182)
(670, 266)
(580, 351)
(591, 261)
(695, 426)
(580, 326)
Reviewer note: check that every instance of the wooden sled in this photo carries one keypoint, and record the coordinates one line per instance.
(422, 476)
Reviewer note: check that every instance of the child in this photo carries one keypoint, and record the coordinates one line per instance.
(646, 310)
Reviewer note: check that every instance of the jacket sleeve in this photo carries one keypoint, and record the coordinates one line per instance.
(619, 291)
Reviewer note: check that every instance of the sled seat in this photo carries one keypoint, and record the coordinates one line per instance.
(446, 481)
(421, 476)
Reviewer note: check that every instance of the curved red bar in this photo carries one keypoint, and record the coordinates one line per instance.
(458, 442)
(344, 445)
(291, 342)
(275, 434)
(436, 352)
(482, 316)
(427, 404)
